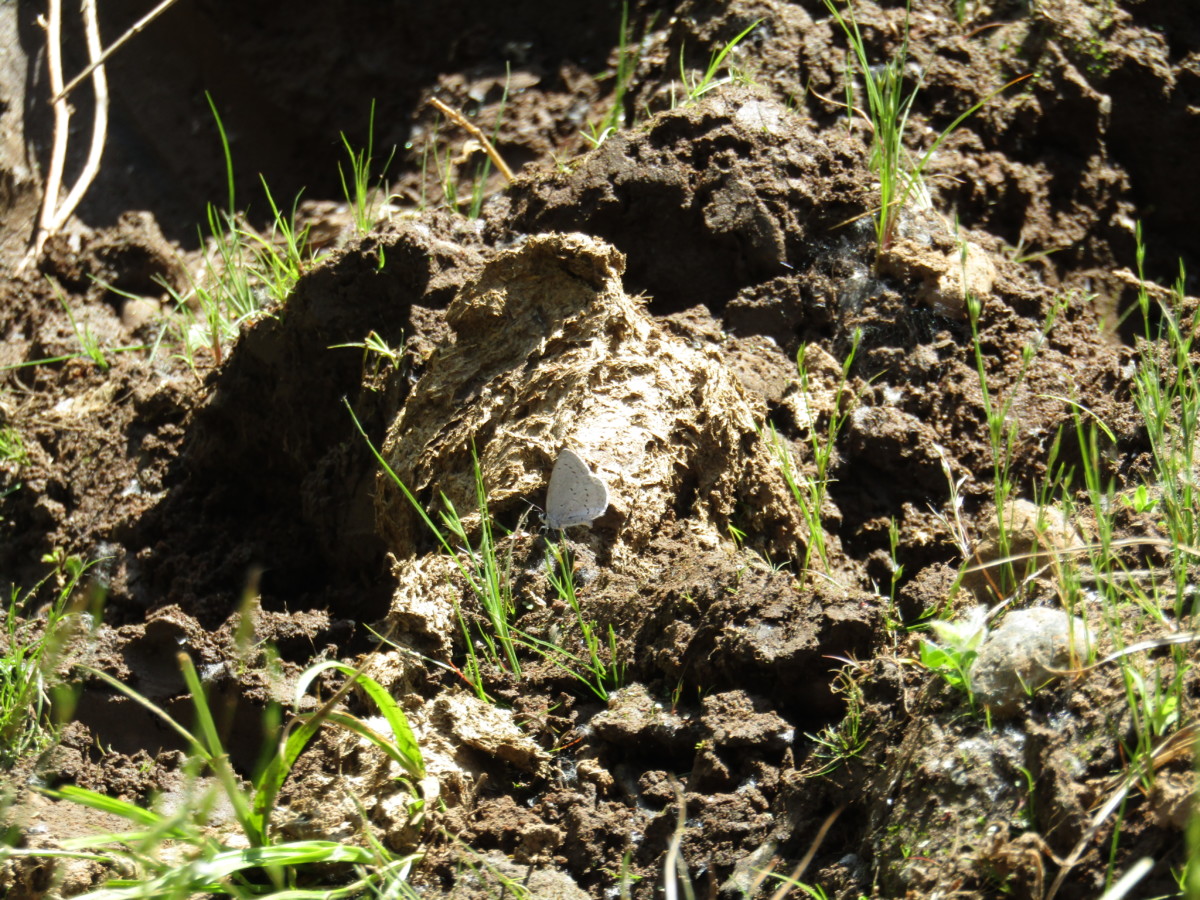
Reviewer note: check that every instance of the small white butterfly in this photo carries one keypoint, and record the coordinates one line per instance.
(575, 496)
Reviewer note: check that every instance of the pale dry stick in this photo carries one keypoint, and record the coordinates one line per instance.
(1184, 637)
(52, 25)
(54, 214)
(493, 154)
(1127, 882)
(99, 122)
(674, 867)
(134, 29)
(798, 872)
(1086, 548)
(1079, 850)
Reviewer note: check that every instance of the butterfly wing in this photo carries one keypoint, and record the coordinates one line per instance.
(575, 496)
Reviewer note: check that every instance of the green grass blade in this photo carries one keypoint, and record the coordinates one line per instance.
(105, 804)
(225, 147)
(211, 874)
(416, 505)
(407, 749)
(914, 177)
(218, 759)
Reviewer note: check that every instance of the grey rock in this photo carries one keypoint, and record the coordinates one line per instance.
(1029, 648)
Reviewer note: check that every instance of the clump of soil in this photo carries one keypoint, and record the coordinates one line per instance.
(642, 303)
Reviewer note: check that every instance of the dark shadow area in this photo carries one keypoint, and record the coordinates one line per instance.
(287, 80)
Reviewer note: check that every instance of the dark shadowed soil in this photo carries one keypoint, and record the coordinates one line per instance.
(642, 302)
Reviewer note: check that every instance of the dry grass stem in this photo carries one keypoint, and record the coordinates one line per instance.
(801, 866)
(459, 119)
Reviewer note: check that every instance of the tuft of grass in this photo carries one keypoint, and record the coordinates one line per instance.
(225, 292)
(31, 649)
(628, 57)
(89, 343)
(484, 572)
(487, 572)
(847, 738)
(227, 261)
(244, 272)
(1167, 397)
(696, 86)
(490, 578)
(599, 668)
(363, 199)
(444, 167)
(282, 257)
(254, 863)
(887, 112)
(12, 446)
(810, 494)
(1003, 429)
(376, 353)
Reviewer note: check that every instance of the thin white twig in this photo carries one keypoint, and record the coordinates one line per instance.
(99, 121)
(675, 870)
(137, 26)
(62, 121)
(798, 872)
(55, 214)
(1082, 846)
